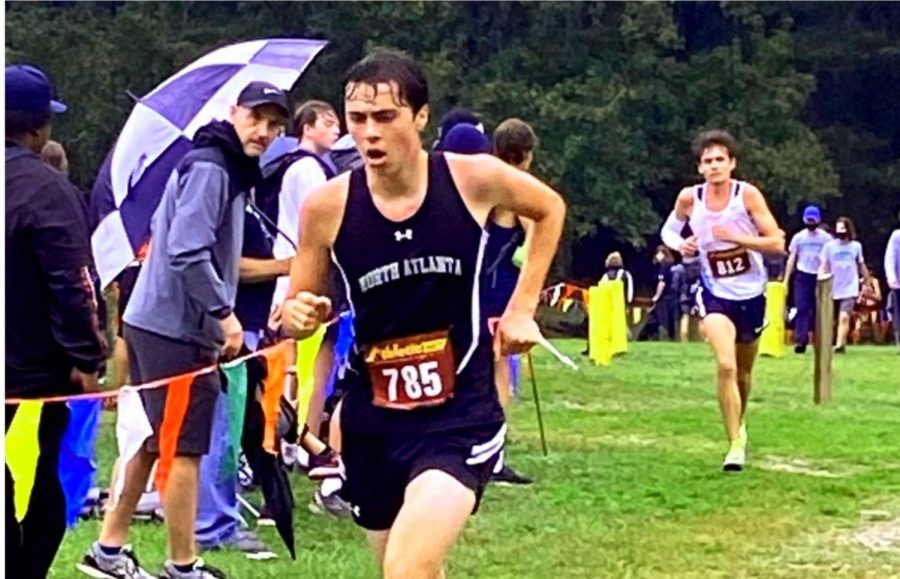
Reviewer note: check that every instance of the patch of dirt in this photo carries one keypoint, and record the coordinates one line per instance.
(627, 440)
(803, 467)
(610, 405)
(591, 407)
(881, 536)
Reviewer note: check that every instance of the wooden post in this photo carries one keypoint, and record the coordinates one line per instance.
(822, 344)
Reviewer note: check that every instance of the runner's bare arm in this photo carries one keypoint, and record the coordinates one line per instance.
(684, 204)
(771, 237)
(320, 219)
(487, 182)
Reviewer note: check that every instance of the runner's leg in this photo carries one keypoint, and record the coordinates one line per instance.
(435, 509)
(721, 334)
(746, 357)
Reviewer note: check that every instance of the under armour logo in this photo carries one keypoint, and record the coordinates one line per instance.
(355, 510)
(270, 91)
(401, 235)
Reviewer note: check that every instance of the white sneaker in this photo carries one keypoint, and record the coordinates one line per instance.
(735, 459)
(288, 453)
(122, 566)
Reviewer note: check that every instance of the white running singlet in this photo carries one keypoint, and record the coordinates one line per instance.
(728, 271)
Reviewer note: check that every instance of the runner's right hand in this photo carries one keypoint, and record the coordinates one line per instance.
(689, 248)
(302, 315)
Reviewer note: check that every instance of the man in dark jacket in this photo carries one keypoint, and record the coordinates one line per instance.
(180, 319)
(53, 342)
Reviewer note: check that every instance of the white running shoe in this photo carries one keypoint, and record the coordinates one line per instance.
(735, 459)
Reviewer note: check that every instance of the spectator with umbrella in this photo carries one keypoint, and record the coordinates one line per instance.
(160, 132)
(181, 318)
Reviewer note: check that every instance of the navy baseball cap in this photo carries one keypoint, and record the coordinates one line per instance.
(259, 93)
(812, 215)
(29, 90)
(458, 116)
(465, 139)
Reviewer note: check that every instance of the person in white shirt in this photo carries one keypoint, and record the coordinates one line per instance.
(802, 267)
(892, 273)
(318, 128)
(843, 259)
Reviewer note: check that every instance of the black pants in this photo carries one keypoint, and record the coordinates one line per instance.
(32, 544)
(664, 315)
(895, 314)
(805, 301)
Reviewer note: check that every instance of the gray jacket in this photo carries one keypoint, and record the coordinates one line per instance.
(189, 281)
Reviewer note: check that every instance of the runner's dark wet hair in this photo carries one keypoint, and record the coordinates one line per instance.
(387, 66)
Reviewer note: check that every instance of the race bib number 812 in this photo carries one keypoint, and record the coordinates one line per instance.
(729, 263)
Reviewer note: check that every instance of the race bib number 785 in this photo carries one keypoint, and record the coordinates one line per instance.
(409, 373)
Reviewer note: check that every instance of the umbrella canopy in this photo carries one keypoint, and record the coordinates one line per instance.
(280, 146)
(159, 130)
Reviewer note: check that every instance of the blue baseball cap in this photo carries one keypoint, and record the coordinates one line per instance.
(458, 116)
(29, 90)
(812, 214)
(465, 139)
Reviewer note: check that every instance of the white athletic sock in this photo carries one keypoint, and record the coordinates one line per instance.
(331, 485)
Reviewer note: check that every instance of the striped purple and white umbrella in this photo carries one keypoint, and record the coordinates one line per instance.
(159, 130)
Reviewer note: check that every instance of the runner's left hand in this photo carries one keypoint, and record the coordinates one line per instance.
(723, 234)
(517, 332)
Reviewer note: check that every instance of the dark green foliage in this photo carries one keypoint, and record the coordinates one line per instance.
(615, 91)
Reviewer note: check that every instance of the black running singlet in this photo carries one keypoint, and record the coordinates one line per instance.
(414, 278)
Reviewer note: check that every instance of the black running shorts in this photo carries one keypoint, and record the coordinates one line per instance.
(748, 316)
(379, 467)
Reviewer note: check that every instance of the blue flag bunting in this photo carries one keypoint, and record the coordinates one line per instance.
(76, 457)
(342, 349)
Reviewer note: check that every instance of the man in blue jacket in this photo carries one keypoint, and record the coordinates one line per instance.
(180, 319)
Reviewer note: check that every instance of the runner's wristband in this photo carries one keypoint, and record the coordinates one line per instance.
(671, 232)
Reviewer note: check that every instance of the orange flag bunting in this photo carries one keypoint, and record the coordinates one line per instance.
(276, 357)
(177, 399)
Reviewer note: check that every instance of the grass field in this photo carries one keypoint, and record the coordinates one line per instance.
(633, 488)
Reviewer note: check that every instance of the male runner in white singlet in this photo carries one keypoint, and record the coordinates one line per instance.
(732, 228)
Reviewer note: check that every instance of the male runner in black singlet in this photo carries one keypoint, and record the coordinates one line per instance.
(422, 426)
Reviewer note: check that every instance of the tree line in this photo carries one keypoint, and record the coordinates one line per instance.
(615, 91)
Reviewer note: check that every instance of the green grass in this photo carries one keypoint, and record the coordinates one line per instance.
(632, 486)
